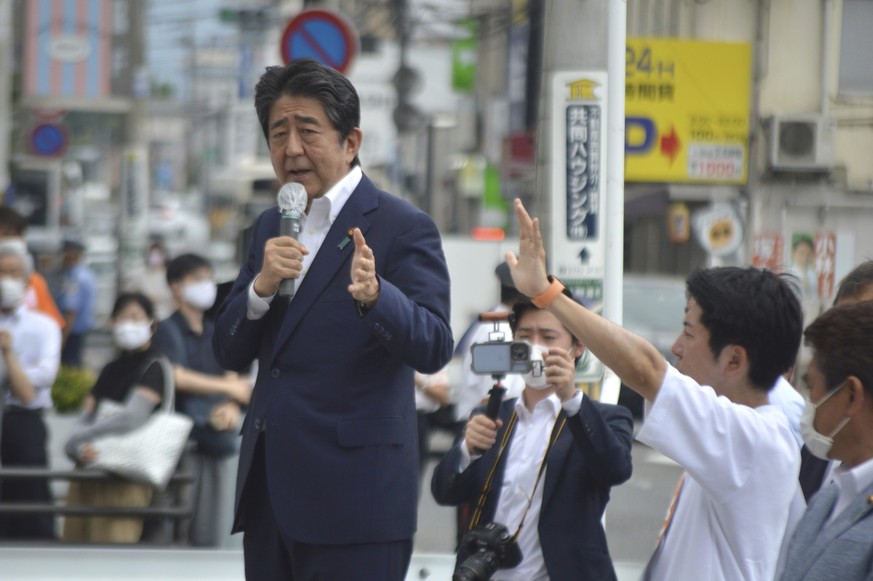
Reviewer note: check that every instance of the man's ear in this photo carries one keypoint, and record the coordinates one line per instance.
(578, 350)
(858, 400)
(735, 360)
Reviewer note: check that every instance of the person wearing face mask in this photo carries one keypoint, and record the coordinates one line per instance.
(833, 538)
(30, 348)
(551, 456)
(856, 287)
(136, 379)
(210, 395)
(151, 280)
(38, 297)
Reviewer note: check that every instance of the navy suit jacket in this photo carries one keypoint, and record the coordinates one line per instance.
(589, 458)
(334, 396)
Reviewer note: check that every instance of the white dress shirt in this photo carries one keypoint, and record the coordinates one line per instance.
(741, 492)
(473, 388)
(313, 229)
(36, 343)
(850, 482)
(785, 397)
(530, 440)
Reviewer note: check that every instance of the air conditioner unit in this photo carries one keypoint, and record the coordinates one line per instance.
(802, 143)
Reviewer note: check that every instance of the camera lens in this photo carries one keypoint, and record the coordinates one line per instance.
(479, 566)
(520, 352)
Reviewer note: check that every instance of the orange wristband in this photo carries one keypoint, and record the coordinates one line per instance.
(550, 294)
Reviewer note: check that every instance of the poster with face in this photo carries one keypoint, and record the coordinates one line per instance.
(801, 264)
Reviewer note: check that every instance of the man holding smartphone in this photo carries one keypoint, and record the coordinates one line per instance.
(544, 467)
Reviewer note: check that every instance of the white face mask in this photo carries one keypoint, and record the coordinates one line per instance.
(819, 445)
(200, 295)
(12, 292)
(536, 377)
(130, 335)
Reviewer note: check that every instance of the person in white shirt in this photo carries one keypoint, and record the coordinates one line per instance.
(710, 413)
(544, 467)
(834, 539)
(30, 354)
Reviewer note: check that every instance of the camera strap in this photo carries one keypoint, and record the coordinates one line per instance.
(560, 422)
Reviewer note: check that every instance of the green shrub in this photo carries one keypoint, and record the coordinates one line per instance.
(70, 388)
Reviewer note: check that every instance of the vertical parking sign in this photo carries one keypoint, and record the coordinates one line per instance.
(578, 237)
(578, 240)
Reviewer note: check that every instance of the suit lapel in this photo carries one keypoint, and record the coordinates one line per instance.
(855, 511)
(817, 536)
(332, 255)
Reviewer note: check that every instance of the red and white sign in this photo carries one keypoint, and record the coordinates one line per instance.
(825, 257)
(767, 251)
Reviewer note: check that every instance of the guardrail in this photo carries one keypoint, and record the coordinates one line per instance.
(172, 503)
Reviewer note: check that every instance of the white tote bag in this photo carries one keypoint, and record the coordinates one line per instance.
(150, 453)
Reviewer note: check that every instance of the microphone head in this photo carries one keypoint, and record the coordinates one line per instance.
(292, 196)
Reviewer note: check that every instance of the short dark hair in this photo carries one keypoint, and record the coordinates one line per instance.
(841, 338)
(754, 308)
(309, 78)
(185, 264)
(12, 220)
(524, 305)
(126, 298)
(856, 282)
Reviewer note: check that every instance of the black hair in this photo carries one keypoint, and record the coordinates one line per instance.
(509, 295)
(754, 308)
(309, 78)
(524, 305)
(841, 338)
(11, 219)
(185, 264)
(126, 298)
(856, 282)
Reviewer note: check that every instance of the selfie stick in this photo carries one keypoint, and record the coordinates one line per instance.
(495, 398)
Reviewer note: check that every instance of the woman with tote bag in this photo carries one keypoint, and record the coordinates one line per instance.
(136, 380)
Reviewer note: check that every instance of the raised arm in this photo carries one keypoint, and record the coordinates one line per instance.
(636, 361)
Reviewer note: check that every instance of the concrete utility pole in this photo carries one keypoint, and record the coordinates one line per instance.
(587, 37)
(6, 44)
(134, 193)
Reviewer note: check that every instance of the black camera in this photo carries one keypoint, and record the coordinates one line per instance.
(490, 547)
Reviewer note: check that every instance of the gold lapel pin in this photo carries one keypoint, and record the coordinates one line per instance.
(870, 500)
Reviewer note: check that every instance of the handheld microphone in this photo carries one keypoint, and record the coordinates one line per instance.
(292, 204)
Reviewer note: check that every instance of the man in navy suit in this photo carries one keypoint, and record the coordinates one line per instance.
(833, 539)
(328, 470)
(583, 448)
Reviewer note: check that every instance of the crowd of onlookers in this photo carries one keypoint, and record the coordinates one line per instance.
(163, 314)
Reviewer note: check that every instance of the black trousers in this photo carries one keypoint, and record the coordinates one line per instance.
(23, 443)
(270, 556)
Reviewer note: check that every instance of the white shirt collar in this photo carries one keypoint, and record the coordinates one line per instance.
(851, 481)
(332, 202)
(552, 404)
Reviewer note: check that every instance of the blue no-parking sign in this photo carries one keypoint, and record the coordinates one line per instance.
(321, 35)
(49, 140)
